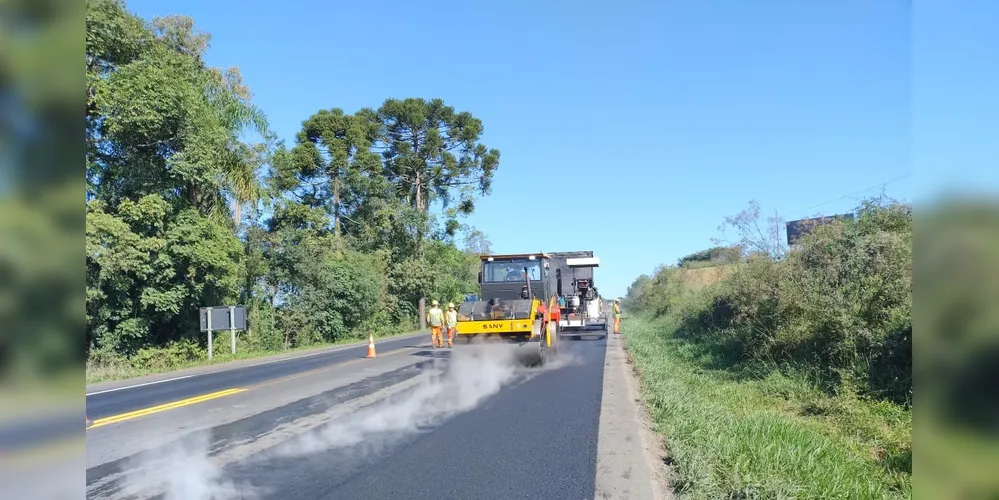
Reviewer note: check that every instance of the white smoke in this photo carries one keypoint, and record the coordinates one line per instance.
(182, 471)
(186, 471)
(473, 373)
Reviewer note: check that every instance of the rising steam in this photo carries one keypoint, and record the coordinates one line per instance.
(182, 471)
(472, 374)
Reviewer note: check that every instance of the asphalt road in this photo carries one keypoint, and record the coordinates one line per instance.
(413, 423)
(536, 438)
(119, 400)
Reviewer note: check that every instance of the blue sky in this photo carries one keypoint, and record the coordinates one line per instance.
(655, 119)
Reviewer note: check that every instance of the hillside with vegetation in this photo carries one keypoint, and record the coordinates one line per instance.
(788, 372)
(329, 238)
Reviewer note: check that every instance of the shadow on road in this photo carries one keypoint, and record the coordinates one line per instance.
(582, 338)
(442, 353)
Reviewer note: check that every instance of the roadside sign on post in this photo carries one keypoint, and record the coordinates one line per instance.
(230, 318)
(220, 318)
(232, 328)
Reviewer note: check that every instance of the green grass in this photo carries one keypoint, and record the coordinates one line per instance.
(123, 370)
(772, 437)
(34, 395)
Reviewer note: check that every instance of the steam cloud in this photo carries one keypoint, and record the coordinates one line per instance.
(183, 471)
(472, 374)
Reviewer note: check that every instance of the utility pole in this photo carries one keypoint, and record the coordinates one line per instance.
(423, 313)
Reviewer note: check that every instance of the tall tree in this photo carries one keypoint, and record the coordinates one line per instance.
(164, 161)
(433, 153)
(159, 121)
(332, 164)
(476, 242)
(333, 246)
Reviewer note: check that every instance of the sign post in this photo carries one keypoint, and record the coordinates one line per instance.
(232, 327)
(210, 335)
(217, 318)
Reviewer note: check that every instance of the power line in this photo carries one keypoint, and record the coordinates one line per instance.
(880, 184)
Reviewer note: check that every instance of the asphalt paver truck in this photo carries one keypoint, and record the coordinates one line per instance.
(582, 311)
(517, 305)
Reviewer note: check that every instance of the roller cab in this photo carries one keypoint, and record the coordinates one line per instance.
(516, 305)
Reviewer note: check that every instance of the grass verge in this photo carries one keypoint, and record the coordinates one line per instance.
(110, 372)
(773, 437)
(30, 397)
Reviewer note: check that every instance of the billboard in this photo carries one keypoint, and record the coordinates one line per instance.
(221, 319)
(798, 228)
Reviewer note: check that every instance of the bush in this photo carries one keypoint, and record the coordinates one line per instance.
(173, 355)
(838, 306)
(711, 257)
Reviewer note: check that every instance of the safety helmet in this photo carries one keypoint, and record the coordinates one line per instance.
(434, 302)
(450, 305)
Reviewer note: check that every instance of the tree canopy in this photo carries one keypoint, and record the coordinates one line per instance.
(329, 238)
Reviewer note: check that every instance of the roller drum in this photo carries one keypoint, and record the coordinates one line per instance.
(529, 353)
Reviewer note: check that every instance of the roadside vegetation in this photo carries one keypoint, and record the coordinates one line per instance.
(787, 373)
(957, 347)
(192, 201)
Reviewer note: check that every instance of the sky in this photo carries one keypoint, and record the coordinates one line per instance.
(636, 127)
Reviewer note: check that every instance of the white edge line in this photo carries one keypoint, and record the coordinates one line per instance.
(139, 385)
(244, 366)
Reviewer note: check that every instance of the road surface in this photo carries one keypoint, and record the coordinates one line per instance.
(105, 400)
(412, 423)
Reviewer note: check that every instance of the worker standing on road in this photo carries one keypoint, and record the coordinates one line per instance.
(451, 318)
(617, 316)
(435, 318)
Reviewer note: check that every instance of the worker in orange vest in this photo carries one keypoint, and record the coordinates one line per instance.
(435, 319)
(451, 322)
(617, 316)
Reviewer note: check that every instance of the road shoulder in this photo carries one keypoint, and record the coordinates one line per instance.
(629, 465)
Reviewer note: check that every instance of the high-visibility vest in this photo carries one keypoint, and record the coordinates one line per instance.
(435, 317)
(617, 311)
(452, 318)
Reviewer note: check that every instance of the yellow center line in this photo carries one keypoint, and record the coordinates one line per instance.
(164, 407)
(214, 395)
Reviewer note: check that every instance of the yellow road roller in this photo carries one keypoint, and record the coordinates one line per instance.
(517, 307)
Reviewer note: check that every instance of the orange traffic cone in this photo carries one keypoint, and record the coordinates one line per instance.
(371, 345)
